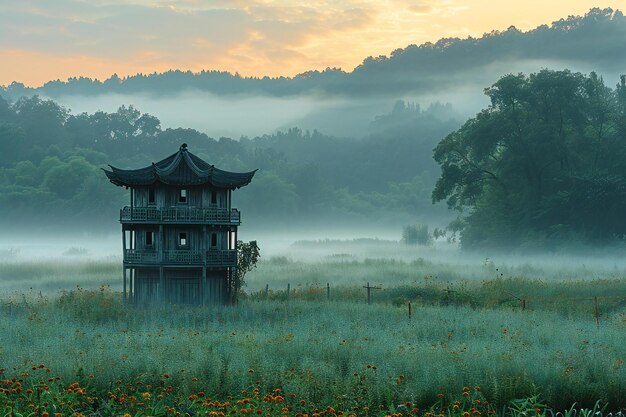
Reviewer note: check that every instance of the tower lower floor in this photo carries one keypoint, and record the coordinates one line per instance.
(177, 285)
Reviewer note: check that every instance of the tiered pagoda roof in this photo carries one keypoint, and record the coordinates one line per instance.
(181, 168)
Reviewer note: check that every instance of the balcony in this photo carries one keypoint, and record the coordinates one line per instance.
(211, 258)
(180, 215)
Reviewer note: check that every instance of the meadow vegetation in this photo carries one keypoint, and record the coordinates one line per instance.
(339, 353)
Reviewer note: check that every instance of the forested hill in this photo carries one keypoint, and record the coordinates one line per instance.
(595, 41)
(50, 160)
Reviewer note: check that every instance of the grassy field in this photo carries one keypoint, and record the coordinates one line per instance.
(337, 352)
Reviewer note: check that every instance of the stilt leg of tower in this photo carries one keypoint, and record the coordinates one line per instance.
(124, 286)
(161, 285)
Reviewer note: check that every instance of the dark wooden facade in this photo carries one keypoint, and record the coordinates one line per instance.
(179, 231)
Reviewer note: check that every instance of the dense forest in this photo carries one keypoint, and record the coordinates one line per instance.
(545, 163)
(596, 40)
(50, 164)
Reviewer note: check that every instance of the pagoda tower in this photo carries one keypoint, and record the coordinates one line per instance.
(179, 232)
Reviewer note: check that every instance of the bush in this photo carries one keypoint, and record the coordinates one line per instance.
(416, 235)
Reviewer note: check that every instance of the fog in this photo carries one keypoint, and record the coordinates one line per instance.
(253, 115)
(331, 245)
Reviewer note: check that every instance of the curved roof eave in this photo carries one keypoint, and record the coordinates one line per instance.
(180, 168)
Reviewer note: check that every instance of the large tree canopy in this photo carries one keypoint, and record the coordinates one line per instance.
(546, 161)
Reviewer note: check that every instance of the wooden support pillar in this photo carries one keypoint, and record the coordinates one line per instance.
(124, 285)
(124, 299)
(131, 292)
(162, 293)
(161, 244)
(203, 279)
(204, 286)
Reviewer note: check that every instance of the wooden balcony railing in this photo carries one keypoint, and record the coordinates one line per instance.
(211, 258)
(180, 215)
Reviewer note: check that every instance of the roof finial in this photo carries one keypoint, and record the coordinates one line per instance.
(183, 147)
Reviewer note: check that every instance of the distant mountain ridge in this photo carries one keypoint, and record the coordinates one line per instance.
(595, 41)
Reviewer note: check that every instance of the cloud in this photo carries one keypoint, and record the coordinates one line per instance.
(185, 34)
(252, 37)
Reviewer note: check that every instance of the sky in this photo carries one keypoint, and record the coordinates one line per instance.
(42, 40)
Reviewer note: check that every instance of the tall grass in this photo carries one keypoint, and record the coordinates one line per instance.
(321, 350)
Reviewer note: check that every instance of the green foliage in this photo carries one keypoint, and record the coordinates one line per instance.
(417, 234)
(47, 151)
(248, 255)
(544, 163)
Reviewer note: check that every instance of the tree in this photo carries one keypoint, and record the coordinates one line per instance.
(416, 235)
(540, 158)
(247, 256)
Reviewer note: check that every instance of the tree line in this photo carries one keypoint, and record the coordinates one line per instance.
(50, 164)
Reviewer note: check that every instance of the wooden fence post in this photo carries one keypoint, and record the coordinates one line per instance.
(409, 310)
(288, 289)
(267, 290)
(369, 293)
(328, 291)
(595, 298)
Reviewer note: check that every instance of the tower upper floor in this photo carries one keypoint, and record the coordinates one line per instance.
(181, 188)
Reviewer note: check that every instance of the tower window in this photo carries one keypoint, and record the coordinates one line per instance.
(213, 240)
(213, 197)
(182, 239)
(151, 196)
(149, 238)
(182, 195)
